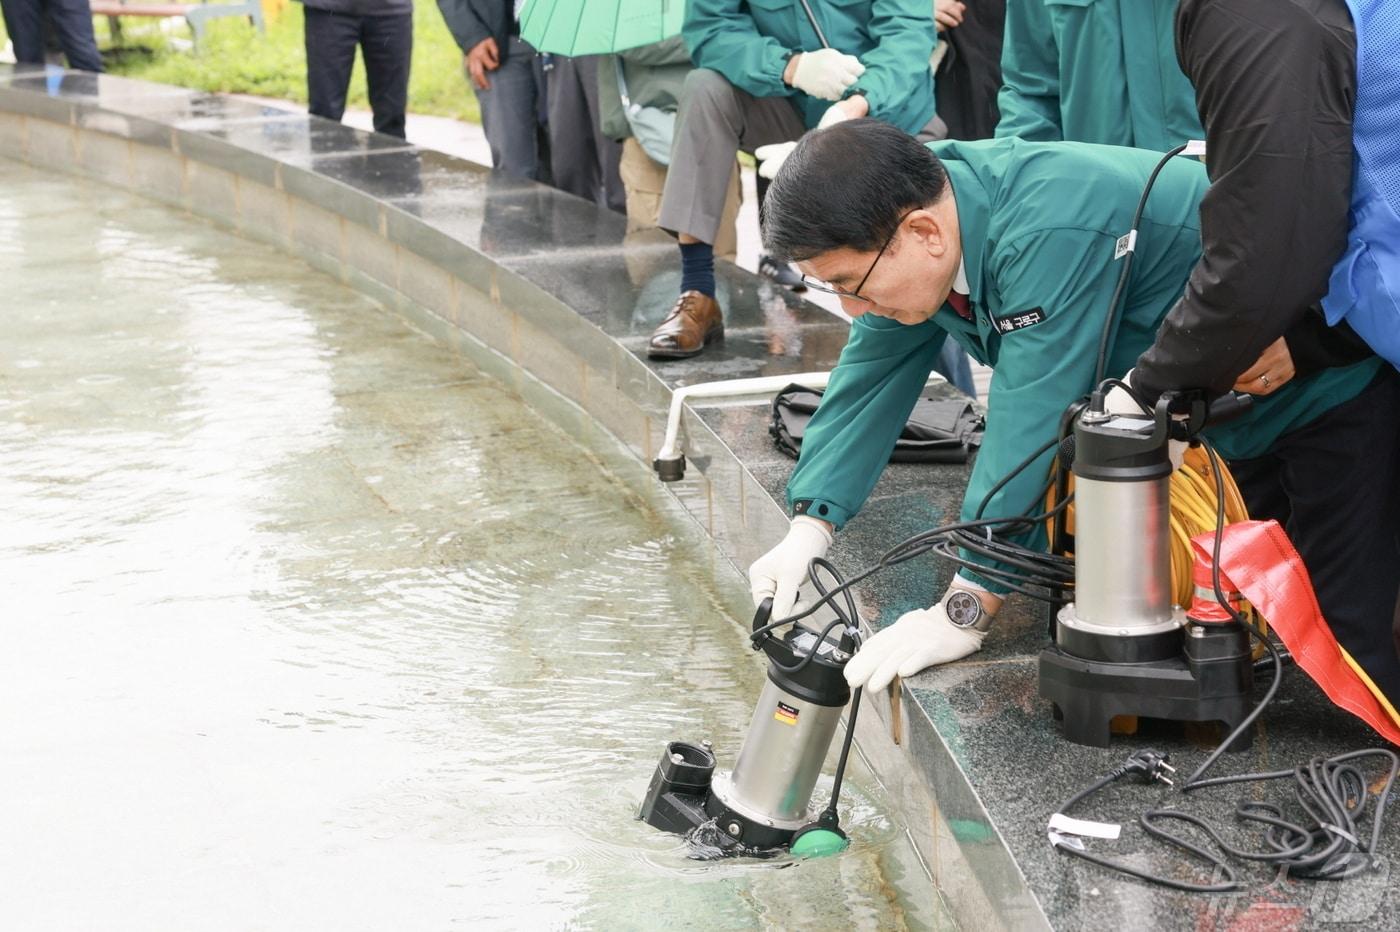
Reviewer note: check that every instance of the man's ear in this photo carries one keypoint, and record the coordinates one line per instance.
(929, 231)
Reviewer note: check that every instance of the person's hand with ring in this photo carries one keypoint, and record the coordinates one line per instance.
(1272, 371)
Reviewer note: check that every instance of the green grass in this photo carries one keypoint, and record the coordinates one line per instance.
(235, 58)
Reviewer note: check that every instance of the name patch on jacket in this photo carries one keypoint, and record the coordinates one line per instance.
(1020, 320)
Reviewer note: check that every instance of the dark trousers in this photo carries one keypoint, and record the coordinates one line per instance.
(583, 161)
(72, 25)
(1335, 487)
(514, 113)
(387, 45)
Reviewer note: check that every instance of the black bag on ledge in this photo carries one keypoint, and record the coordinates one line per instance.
(938, 431)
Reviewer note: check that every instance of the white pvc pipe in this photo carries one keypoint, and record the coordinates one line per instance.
(737, 387)
(731, 387)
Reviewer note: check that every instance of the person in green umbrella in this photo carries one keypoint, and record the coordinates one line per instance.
(765, 73)
(1007, 246)
(1102, 71)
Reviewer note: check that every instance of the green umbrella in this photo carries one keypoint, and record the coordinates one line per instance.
(595, 27)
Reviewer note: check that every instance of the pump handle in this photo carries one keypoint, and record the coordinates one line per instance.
(1194, 414)
(762, 614)
(1228, 407)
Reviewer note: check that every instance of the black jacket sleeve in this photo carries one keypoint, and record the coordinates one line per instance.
(1275, 85)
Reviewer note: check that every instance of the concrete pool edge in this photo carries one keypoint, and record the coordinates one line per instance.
(582, 378)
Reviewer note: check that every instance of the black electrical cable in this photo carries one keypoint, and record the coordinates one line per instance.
(1121, 287)
(1051, 567)
(847, 616)
(1217, 473)
(1332, 792)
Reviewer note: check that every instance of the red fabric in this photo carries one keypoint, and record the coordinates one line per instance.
(961, 304)
(1205, 608)
(1258, 560)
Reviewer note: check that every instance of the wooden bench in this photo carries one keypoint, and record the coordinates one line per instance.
(197, 15)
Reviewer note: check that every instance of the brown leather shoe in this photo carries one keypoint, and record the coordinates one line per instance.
(689, 328)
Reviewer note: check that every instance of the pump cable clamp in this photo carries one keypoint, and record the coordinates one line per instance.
(1125, 245)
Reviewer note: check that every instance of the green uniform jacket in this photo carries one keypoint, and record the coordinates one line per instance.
(1095, 71)
(749, 41)
(1038, 227)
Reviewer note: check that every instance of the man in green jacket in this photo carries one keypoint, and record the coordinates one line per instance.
(1008, 247)
(1095, 71)
(765, 75)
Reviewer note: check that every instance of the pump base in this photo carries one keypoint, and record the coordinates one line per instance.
(743, 825)
(686, 794)
(1210, 680)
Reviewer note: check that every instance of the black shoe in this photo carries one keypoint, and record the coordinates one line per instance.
(780, 272)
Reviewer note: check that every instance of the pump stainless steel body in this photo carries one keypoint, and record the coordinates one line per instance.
(778, 766)
(1122, 573)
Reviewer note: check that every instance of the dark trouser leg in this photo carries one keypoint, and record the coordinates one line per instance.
(511, 109)
(72, 24)
(24, 24)
(1333, 485)
(607, 152)
(583, 161)
(331, 39)
(573, 160)
(387, 45)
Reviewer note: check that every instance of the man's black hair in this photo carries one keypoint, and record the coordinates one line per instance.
(847, 186)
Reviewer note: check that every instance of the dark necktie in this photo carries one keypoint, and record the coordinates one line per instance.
(960, 304)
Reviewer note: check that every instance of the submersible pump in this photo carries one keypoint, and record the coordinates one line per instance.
(764, 803)
(1121, 647)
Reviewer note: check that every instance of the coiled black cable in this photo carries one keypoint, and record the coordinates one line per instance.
(1329, 844)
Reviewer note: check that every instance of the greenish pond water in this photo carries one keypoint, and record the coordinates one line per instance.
(307, 624)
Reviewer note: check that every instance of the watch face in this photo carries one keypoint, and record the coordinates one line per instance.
(963, 609)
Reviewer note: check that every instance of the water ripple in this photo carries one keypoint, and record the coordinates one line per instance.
(309, 625)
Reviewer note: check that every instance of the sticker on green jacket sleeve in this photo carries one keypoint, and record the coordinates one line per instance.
(1010, 323)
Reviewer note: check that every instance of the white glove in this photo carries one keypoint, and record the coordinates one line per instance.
(826, 73)
(771, 158)
(1118, 401)
(834, 114)
(779, 572)
(919, 639)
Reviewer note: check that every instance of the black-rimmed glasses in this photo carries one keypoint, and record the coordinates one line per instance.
(855, 295)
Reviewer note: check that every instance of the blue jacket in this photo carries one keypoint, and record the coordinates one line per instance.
(1364, 288)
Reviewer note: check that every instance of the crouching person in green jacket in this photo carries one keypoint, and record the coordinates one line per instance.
(1008, 247)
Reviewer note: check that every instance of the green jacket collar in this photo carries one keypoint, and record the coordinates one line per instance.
(974, 222)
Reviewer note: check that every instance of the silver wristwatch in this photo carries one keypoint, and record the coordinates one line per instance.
(965, 610)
